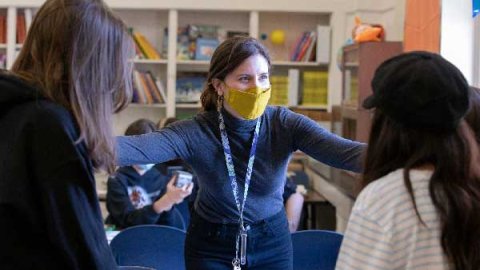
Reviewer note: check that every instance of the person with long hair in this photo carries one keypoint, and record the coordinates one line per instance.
(56, 105)
(420, 203)
(239, 149)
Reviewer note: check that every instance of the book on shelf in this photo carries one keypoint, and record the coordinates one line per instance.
(315, 88)
(279, 95)
(146, 90)
(197, 41)
(21, 29)
(3, 29)
(189, 87)
(144, 48)
(307, 45)
(304, 47)
(204, 48)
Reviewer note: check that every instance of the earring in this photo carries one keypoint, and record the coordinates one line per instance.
(219, 102)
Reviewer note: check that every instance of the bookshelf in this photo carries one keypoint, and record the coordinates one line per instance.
(154, 18)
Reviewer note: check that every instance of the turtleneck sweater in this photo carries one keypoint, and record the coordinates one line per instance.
(197, 141)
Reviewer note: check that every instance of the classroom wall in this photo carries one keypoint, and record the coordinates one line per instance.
(457, 36)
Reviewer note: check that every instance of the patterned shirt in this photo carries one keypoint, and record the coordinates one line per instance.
(384, 232)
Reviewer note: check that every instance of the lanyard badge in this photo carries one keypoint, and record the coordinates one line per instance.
(241, 242)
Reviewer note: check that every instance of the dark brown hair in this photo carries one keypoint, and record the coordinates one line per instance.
(77, 54)
(473, 115)
(141, 126)
(454, 186)
(226, 58)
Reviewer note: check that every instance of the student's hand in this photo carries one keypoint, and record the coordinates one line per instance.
(174, 195)
(178, 194)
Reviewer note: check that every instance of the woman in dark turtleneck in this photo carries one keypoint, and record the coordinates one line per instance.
(237, 138)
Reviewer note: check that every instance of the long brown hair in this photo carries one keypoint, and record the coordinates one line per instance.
(454, 186)
(226, 58)
(77, 54)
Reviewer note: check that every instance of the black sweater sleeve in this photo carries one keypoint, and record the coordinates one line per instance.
(122, 212)
(66, 192)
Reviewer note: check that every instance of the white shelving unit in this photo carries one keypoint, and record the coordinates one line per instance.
(151, 17)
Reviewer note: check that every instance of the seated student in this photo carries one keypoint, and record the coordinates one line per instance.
(420, 203)
(140, 194)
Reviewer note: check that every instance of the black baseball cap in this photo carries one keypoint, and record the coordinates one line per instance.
(420, 90)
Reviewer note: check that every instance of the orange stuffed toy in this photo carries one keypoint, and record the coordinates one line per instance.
(363, 32)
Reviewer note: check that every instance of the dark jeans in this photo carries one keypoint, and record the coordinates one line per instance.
(212, 246)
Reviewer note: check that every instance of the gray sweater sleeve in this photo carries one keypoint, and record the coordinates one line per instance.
(154, 147)
(326, 147)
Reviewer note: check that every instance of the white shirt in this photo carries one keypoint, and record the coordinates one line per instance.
(384, 232)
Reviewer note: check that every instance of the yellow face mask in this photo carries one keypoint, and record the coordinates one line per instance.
(250, 103)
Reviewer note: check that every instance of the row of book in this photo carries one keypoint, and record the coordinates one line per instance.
(309, 90)
(24, 20)
(304, 48)
(289, 90)
(147, 89)
(315, 88)
(279, 94)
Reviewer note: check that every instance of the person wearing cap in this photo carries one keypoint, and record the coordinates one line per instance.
(420, 203)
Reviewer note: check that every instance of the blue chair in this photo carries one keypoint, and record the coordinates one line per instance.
(155, 246)
(315, 249)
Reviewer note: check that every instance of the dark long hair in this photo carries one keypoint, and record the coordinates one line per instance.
(226, 58)
(473, 115)
(77, 54)
(454, 186)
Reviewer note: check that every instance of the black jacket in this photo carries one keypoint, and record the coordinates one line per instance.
(49, 212)
(130, 197)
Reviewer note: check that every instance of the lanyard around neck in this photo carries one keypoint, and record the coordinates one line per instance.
(231, 168)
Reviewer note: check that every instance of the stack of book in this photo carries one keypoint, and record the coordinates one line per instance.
(147, 89)
(279, 90)
(315, 88)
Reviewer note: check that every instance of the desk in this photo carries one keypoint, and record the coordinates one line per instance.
(311, 203)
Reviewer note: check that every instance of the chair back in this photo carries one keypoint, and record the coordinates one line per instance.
(155, 246)
(315, 249)
(178, 220)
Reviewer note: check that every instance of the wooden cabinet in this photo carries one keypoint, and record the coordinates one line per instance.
(359, 64)
(349, 119)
